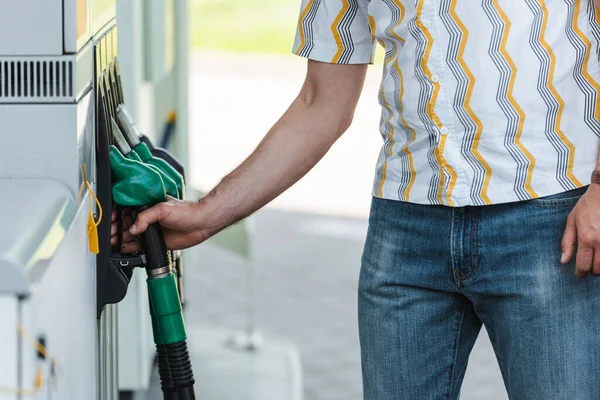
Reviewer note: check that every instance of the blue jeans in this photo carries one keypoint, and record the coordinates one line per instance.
(431, 275)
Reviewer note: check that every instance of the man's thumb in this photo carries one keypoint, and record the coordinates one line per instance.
(145, 218)
(569, 240)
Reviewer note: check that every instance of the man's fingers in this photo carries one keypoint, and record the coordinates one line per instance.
(127, 222)
(114, 227)
(130, 247)
(126, 237)
(150, 216)
(596, 263)
(585, 257)
(569, 240)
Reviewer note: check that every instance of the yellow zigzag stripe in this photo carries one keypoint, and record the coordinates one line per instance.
(467, 102)
(511, 99)
(336, 31)
(559, 99)
(301, 27)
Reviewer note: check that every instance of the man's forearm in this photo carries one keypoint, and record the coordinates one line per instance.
(291, 148)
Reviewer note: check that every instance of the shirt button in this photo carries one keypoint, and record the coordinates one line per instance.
(444, 130)
(435, 78)
(427, 23)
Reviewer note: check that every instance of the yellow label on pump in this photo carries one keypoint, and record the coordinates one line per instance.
(92, 224)
(92, 230)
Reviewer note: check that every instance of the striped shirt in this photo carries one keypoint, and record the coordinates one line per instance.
(482, 102)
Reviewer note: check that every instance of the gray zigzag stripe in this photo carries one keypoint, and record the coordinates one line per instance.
(502, 99)
(550, 100)
(588, 90)
(469, 124)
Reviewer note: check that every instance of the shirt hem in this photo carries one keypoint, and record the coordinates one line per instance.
(551, 187)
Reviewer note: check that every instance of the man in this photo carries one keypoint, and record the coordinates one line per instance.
(490, 121)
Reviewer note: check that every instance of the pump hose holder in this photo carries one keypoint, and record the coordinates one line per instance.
(133, 185)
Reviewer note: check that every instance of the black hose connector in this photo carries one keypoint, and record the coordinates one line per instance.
(155, 249)
(175, 371)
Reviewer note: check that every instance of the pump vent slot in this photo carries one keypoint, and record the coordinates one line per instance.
(42, 79)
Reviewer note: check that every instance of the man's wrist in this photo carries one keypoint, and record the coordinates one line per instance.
(216, 214)
(595, 179)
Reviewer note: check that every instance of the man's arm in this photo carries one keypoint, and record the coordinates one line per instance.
(583, 232)
(320, 114)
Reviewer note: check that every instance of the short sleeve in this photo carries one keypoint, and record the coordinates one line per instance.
(335, 31)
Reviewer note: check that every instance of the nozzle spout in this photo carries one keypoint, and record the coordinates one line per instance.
(120, 141)
(127, 125)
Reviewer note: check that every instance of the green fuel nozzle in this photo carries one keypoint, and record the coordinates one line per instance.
(132, 136)
(146, 156)
(136, 184)
(171, 186)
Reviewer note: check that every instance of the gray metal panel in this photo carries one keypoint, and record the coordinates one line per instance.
(50, 141)
(34, 27)
(63, 309)
(131, 48)
(77, 24)
(136, 345)
(8, 345)
(181, 72)
(108, 348)
(35, 216)
(46, 79)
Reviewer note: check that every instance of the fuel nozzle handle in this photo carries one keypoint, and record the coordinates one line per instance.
(158, 258)
(127, 125)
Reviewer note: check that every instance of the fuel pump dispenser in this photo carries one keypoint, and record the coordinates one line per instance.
(138, 186)
(132, 183)
(60, 92)
(161, 159)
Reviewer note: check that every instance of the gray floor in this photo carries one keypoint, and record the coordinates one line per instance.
(306, 276)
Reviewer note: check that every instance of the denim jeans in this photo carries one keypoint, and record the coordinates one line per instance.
(431, 275)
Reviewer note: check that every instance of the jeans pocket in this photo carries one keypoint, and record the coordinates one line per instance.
(568, 198)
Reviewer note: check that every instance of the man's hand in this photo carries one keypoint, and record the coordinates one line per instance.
(583, 232)
(184, 224)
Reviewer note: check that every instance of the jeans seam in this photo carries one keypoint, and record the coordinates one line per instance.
(456, 272)
(554, 203)
(452, 244)
(456, 345)
(474, 259)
